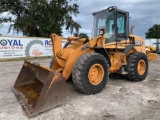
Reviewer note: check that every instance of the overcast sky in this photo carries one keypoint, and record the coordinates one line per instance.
(144, 14)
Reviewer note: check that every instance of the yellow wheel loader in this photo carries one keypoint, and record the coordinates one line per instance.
(88, 61)
(150, 49)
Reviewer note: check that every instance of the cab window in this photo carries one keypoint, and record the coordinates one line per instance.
(121, 31)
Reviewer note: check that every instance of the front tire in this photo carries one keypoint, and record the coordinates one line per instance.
(90, 73)
(137, 66)
(51, 63)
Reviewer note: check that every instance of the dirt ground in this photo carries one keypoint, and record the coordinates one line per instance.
(121, 99)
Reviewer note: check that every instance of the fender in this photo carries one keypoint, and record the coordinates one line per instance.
(103, 52)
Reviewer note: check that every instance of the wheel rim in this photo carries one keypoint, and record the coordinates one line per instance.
(96, 74)
(141, 67)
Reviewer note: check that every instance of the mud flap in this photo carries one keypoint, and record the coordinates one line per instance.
(39, 88)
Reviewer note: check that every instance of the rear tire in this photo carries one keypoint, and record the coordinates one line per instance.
(137, 66)
(90, 73)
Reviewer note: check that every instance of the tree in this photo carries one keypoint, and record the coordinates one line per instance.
(83, 35)
(72, 25)
(154, 32)
(40, 17)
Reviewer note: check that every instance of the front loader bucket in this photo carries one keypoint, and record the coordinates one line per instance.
(39, 88)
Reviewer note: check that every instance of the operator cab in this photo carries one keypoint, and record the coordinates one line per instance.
(115, 23)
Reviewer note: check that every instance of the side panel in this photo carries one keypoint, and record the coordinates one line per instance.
(139, 44)
(118, 59)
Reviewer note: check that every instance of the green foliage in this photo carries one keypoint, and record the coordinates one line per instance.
(153, 32)
(40, 17)
(83, 35)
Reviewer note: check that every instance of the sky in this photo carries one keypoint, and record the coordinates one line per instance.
(144, 14)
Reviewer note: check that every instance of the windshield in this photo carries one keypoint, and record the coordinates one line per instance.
(107, 20)
(103, 19)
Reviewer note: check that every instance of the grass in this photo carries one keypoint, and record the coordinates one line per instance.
(24, 58)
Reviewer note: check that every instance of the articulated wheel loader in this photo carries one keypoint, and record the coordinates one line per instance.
(88, 61)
